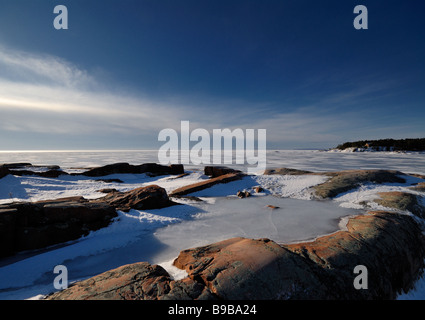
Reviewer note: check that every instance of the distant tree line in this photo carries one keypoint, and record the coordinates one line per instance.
(387, 144)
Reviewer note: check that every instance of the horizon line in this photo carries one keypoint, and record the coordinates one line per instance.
(124, 150)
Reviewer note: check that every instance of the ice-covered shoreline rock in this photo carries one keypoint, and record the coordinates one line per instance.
(36, 225)
(392, 247)
(389, 243)
(326, 262)
(346, 180)
(54, 171)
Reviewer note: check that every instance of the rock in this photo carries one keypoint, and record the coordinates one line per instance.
(217, 171)
(249, 269)
(20, 165)
(16, 165)
(86, 212)
(67, 199)
(46, 174)
(192, 198)
(286, 171)
(390, 245)
(7, 230)
(110, 180)
(187, 289)
(152, 168)
(53, 171)
(258, 189)
(4, 171)
(144, 198)
(243, 194)
(347, 180)
(343, 181)
(107, 190)
(419, 187)
(111, 169)
(401, 201)
(51, 167)
(272, 207)
(206, 184)
(35, 225)
(417, 175)
(138, 281)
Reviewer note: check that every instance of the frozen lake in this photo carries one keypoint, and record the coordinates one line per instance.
(157, 236)
(312, 160)
(293, 220)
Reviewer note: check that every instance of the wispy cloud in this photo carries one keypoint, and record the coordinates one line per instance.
(23, 66)
(41, 89)
(46, 94)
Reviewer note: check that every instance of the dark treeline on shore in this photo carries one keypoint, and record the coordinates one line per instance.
(417, 144)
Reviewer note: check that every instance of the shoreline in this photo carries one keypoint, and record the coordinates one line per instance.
(343, 222)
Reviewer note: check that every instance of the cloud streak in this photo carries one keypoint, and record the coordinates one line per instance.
(46, 94)
(43, 88)
(44, 68)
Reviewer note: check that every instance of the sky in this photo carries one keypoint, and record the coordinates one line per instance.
(126, 69)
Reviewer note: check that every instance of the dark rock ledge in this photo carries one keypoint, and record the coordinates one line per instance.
(35, 225)
(153, 169)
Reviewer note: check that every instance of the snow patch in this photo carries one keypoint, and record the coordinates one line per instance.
(291, 186)
(174, 272)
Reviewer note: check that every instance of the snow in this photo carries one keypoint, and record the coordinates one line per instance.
(157, 236)
(127, 240)
(313, 160)
(297, 187)
(174, 272)
(32, 188)
(365, 194)
(294, 221)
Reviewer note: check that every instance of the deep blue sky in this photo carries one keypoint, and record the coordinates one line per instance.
(124, 70)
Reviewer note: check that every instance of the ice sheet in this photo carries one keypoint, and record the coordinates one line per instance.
(149, 236)
(157, 236)
(313, 160)
(294, 220)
